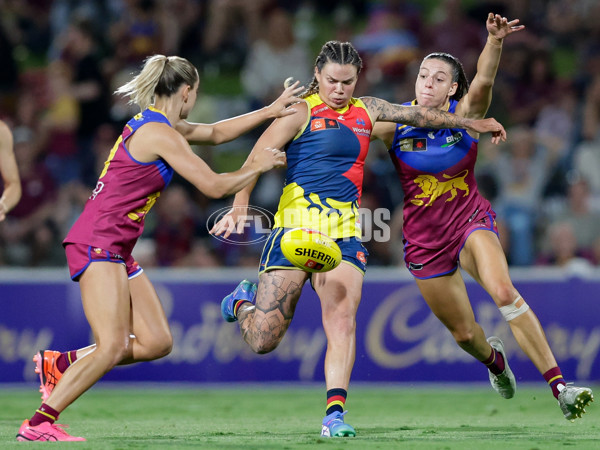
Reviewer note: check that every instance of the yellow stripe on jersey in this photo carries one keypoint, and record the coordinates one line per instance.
(334, 218)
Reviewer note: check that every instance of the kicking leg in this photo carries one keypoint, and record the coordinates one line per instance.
(264, 324)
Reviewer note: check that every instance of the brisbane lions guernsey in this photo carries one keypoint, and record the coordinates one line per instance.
(113, 217)
(436, 171)
(325, 166)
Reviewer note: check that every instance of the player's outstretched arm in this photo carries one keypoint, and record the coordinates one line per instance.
(478, 99)
(424, 117)
(279, 133)
(229, 129)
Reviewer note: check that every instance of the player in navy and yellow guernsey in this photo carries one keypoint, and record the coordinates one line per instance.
(326, 146)
(447, 222)
(119, 301)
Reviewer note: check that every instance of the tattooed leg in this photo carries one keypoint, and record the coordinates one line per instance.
(264, 325)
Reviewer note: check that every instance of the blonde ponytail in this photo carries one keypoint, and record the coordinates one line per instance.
(160, 75)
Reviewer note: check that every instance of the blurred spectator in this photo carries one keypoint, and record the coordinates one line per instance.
(272, 58)
(521, 177)
(534, 89)
(59, 124)
(144, 28)
(555, 130)
(232, 26)
(561, 249)
(201, 255)
(576, 210)
(587, 163)
(30, 233)
(81, 50)
(9, 73)
(388, 43)
(174, 228)
(451, 30)
(591, 110)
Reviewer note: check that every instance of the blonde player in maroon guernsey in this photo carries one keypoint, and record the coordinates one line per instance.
(119, 301)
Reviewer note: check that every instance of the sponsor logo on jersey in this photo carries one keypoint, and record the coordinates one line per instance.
(453, 140)
(323, 124)
(361, 131)
(406, 129)
(413, 145)
(361, 122)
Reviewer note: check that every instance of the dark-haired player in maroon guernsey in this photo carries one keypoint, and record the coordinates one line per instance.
(447, 222)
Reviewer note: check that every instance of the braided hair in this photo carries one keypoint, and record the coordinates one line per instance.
(458, 73)
(334, 52)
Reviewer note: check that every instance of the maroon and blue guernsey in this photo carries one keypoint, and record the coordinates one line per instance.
(113, 217)
(440, 193)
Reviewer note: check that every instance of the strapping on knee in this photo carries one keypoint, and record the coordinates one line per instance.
(511, 311)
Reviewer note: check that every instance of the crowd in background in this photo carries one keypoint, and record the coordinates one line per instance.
(63, 59)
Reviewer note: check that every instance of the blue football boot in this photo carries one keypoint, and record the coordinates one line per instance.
(334, 426)
(245, 291)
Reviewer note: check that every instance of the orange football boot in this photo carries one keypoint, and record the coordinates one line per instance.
(45, 366)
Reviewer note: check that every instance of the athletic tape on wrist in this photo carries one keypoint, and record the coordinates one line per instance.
(511, 311)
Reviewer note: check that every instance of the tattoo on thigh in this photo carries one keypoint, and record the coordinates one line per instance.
(276, 302)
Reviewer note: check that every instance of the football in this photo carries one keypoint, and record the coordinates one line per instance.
(310, 250)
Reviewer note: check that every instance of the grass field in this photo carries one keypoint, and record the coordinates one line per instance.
(262, 417)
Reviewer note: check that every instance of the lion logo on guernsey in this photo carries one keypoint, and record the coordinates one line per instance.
(433, 188)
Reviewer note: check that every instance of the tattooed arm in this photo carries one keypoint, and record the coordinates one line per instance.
(423, 117)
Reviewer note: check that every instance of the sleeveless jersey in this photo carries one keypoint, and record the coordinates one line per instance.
(325, 167)
(436, 171)
(113, 216)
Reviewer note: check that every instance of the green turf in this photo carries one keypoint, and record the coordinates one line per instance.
(283, 418)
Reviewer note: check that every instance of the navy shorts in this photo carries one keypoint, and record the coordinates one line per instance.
(353, 253)
(80, 256)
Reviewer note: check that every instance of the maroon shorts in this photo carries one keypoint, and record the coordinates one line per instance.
(430, 263)
(80, 256)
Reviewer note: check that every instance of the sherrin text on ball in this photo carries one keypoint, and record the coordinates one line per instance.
(310, 250)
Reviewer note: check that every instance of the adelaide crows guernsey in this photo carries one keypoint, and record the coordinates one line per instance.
(436, 171)
(325, 166)
(113, 216)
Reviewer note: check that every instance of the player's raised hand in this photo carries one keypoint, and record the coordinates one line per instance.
(281, 107)
(499, 27)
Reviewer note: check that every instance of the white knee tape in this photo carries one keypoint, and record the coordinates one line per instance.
(511, 311)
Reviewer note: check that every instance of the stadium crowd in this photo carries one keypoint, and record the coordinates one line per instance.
(63, 59)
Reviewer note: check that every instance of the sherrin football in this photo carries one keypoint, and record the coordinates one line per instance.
(310, 250)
